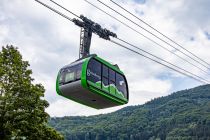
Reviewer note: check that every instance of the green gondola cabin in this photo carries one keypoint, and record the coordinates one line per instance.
(94, 82)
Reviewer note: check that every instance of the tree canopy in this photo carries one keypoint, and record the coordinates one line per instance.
(184, 115)
(22, 107)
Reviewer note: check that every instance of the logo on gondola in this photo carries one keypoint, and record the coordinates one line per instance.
(90, 73)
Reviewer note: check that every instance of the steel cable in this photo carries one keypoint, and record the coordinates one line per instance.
(146, 37)
(153, 34)
(159, 32)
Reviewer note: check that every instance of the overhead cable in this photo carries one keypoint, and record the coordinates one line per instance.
(160, 59)
(54, 10)
(64, 8)
(158, 62)
(153, 34)
(204, 71)
(159, 32)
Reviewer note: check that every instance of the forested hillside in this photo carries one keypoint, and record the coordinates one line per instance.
(181, 115)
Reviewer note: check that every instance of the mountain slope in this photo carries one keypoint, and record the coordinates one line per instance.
(181, 115)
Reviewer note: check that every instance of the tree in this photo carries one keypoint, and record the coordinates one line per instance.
(22, 107)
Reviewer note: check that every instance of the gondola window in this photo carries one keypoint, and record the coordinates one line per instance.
(94, 73)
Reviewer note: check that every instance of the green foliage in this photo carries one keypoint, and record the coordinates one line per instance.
(22, 108)
(184, 115)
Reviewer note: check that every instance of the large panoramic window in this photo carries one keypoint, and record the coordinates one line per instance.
(112, 81)
(105, 78)
(70, 74)
(94, 72)
(121, 84)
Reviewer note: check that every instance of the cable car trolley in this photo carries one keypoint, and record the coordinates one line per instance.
(90, 80)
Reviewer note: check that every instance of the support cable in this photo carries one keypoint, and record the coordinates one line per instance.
(204, 71)
(152, 34)
(54, 10)
(123, 46)
(160, 59)
(159, 32)
(64, 8)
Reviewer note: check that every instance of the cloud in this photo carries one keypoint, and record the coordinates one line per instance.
(49, 42)
(207, 35)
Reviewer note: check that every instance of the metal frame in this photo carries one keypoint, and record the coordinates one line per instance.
(87, 28)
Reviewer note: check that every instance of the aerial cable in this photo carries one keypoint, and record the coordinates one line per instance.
(54, 10)
(153, 34)
(64, 8)
(159, 32)
(146, 37)
(158, 62)
(61, 14)
(150, 33)
(160, 59)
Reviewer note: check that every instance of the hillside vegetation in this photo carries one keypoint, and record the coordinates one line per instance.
(184, 115)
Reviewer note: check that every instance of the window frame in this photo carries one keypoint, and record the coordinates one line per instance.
(100, 72)
(75, 68)
(106, 77)
(126, 85)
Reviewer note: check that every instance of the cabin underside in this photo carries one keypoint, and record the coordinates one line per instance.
(76, 92)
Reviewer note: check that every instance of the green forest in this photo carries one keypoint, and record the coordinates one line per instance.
(183, 115)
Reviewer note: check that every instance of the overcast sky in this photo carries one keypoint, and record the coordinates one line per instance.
(49, 42)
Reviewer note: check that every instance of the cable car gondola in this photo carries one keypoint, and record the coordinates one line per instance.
(91, 80)
(94, 82)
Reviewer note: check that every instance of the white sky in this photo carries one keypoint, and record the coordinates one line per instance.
(49, 42)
